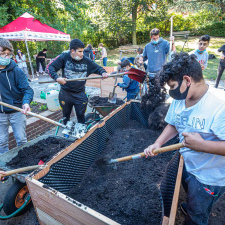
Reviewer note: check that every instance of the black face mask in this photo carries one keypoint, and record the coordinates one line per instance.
(176, 94)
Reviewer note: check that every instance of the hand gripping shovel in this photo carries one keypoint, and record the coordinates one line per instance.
(132, 73)
(105, 162)
(77, 130)
(113, 95)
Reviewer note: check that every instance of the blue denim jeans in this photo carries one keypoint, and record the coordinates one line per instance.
(199, 201)
(131, 96)
(105, 61)
(18, 123)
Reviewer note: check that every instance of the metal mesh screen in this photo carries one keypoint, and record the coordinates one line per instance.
(68, 171)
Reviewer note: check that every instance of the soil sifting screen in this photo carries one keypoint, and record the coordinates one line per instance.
(135, 195)
(129, 194)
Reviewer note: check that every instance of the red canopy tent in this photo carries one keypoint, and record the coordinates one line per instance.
(27, 28)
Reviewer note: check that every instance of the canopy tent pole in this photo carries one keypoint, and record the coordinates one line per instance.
(28, 52)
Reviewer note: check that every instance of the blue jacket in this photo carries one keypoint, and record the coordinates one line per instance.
(131, 86)
(156, 55)
(14, 87)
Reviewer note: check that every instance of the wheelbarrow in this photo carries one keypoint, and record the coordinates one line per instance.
(98, 112)
(17, 199)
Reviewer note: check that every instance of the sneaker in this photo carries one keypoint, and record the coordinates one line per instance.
(38, 74)
(183, 207)
(29, 80)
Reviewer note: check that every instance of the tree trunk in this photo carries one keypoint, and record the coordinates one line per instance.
(134, 21)
(222, 6)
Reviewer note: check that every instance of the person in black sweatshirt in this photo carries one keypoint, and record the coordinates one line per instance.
(14, 90)
(74, 65)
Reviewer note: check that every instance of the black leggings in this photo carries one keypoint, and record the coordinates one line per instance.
(220, 73)
(38, 61)
(69, 99)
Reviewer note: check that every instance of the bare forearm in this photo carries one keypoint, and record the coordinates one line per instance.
(168, 133)
(213, 147)
(173, 47)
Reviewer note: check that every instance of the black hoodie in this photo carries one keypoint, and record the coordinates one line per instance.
(14, 87)
(73, 69)
(88, 52)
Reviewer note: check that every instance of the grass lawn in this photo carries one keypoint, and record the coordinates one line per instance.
(211, 70)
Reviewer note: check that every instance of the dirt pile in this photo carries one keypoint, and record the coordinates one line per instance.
(103, 101)
(156, 118)
(42, 150)
(130, 194)
(154, 102)
(156, 94)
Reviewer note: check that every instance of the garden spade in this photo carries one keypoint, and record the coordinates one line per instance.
(113, 95)
(132, 73)
(106, 162)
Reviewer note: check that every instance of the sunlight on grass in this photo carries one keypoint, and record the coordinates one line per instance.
(211, 70)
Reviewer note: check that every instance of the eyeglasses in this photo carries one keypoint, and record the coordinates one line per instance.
(3, 55)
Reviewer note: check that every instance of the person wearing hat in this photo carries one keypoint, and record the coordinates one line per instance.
(74, 65)
(221, 65)
(14, 90)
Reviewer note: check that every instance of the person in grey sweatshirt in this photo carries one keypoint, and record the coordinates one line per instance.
(201, 53)
(156, 51)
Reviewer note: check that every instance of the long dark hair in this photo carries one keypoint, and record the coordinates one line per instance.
(18, 53)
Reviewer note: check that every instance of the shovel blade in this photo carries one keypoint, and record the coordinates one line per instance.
(112, 97)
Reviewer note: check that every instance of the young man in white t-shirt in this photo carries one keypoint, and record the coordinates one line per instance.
(199, 118)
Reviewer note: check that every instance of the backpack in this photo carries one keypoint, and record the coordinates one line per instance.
(211, 56)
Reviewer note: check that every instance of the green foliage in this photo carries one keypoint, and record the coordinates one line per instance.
(33, 103)
(43, 107)
(212, 29)
(113, 22)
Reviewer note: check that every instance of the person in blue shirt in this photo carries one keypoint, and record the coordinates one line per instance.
(156, 51)
(198, 116)
(129, 85)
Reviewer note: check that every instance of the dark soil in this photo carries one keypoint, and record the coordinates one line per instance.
(129, 194)
(156, 119)
(42, 150)
(217, 216)
(103, 101)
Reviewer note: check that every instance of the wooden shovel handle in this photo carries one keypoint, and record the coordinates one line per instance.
(155, 151)
(84, 78)
(32, 114)
(20, 170)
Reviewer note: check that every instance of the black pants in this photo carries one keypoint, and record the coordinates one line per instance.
(69, 99)
(38, 61)
(219, 73)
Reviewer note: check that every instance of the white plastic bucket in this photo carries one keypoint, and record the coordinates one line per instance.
(53, 87)
(52, 98)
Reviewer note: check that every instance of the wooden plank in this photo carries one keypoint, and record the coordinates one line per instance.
(46, 219)
(62, 208)
(181, 33)
(165, 220)
(173, 210)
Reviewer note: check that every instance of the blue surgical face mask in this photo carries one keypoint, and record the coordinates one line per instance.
(4, 61)
(155, 42)
(200, 51)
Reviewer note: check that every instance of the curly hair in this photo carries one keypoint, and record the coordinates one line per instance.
(181, 64)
